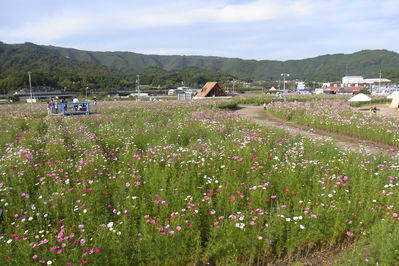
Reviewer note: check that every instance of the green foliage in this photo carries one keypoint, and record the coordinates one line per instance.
(181, 183)
(50, 59)
(321, 68)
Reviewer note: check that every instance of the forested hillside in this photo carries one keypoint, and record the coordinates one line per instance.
(72, 69)
(367, 63)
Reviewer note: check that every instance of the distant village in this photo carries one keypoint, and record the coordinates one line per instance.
(349, 85)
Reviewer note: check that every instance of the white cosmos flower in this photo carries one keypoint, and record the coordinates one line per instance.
(110, 224)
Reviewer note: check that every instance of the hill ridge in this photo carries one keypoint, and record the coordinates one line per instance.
(322, 68)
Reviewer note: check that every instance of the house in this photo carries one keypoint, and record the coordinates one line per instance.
(346, 89)
(211, 89)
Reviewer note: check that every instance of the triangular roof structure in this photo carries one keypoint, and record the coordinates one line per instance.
(393, 95)
(272, 89)
(395, 101)
(360, 98)
(211, 89)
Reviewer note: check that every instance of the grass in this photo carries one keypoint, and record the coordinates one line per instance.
(177, 183)
(337, 116)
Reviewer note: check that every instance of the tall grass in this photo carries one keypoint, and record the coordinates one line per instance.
(179, 183)
(338, 116)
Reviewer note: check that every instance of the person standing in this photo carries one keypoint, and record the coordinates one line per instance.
(95, 104)
(49, 108)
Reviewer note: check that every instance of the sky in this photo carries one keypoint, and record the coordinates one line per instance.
(247, 29)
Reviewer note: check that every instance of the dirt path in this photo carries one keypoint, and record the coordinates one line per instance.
(265, 118)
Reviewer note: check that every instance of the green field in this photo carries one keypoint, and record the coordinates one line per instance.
(186, 183)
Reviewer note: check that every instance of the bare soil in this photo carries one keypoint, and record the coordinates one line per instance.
(262, 117)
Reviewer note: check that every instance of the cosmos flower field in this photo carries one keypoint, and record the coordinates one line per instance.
(171, 183)
(338, 116)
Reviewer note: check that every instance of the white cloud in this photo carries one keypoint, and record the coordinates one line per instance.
(46, 30)
(262, 29)
(171, 15)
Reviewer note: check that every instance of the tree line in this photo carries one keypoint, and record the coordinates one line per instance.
(151, 76)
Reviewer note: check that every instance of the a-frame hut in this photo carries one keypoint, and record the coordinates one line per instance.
(211, 89)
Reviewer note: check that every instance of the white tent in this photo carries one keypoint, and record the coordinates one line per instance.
(393, 94)
(360, 98)
(395, 102)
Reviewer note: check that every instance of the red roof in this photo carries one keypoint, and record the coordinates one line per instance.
(353, 88)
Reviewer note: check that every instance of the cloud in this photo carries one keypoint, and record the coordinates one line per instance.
(170, 15)
(262, 29)
(46, 30)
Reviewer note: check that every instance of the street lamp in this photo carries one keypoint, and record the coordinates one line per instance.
(284, 75)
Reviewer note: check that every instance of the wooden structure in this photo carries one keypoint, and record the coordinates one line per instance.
(79, 108)
(211, 89)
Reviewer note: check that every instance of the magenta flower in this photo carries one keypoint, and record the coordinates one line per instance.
(212, 212)
(233, 197)
(127, 184)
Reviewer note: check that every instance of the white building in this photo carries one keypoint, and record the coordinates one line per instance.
(348, 80)
(300, 85)
(377, 80)
(353, 80)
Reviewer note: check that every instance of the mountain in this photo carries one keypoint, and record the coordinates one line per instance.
(30, 57)
(367, 63)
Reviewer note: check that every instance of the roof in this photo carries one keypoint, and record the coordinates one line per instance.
(211, 89)
(393, 95)
(354, 88)
(360, 98)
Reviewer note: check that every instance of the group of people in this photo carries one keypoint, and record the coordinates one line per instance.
(52, 107)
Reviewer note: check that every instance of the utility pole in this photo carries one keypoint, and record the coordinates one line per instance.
(284, 75)
(138, 87)
(30, 88)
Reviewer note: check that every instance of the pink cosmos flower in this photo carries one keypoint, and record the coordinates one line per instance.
(212, 212)
(127, 184)
(96, 250)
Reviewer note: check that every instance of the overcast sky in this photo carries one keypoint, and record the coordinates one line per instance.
(258, 29)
